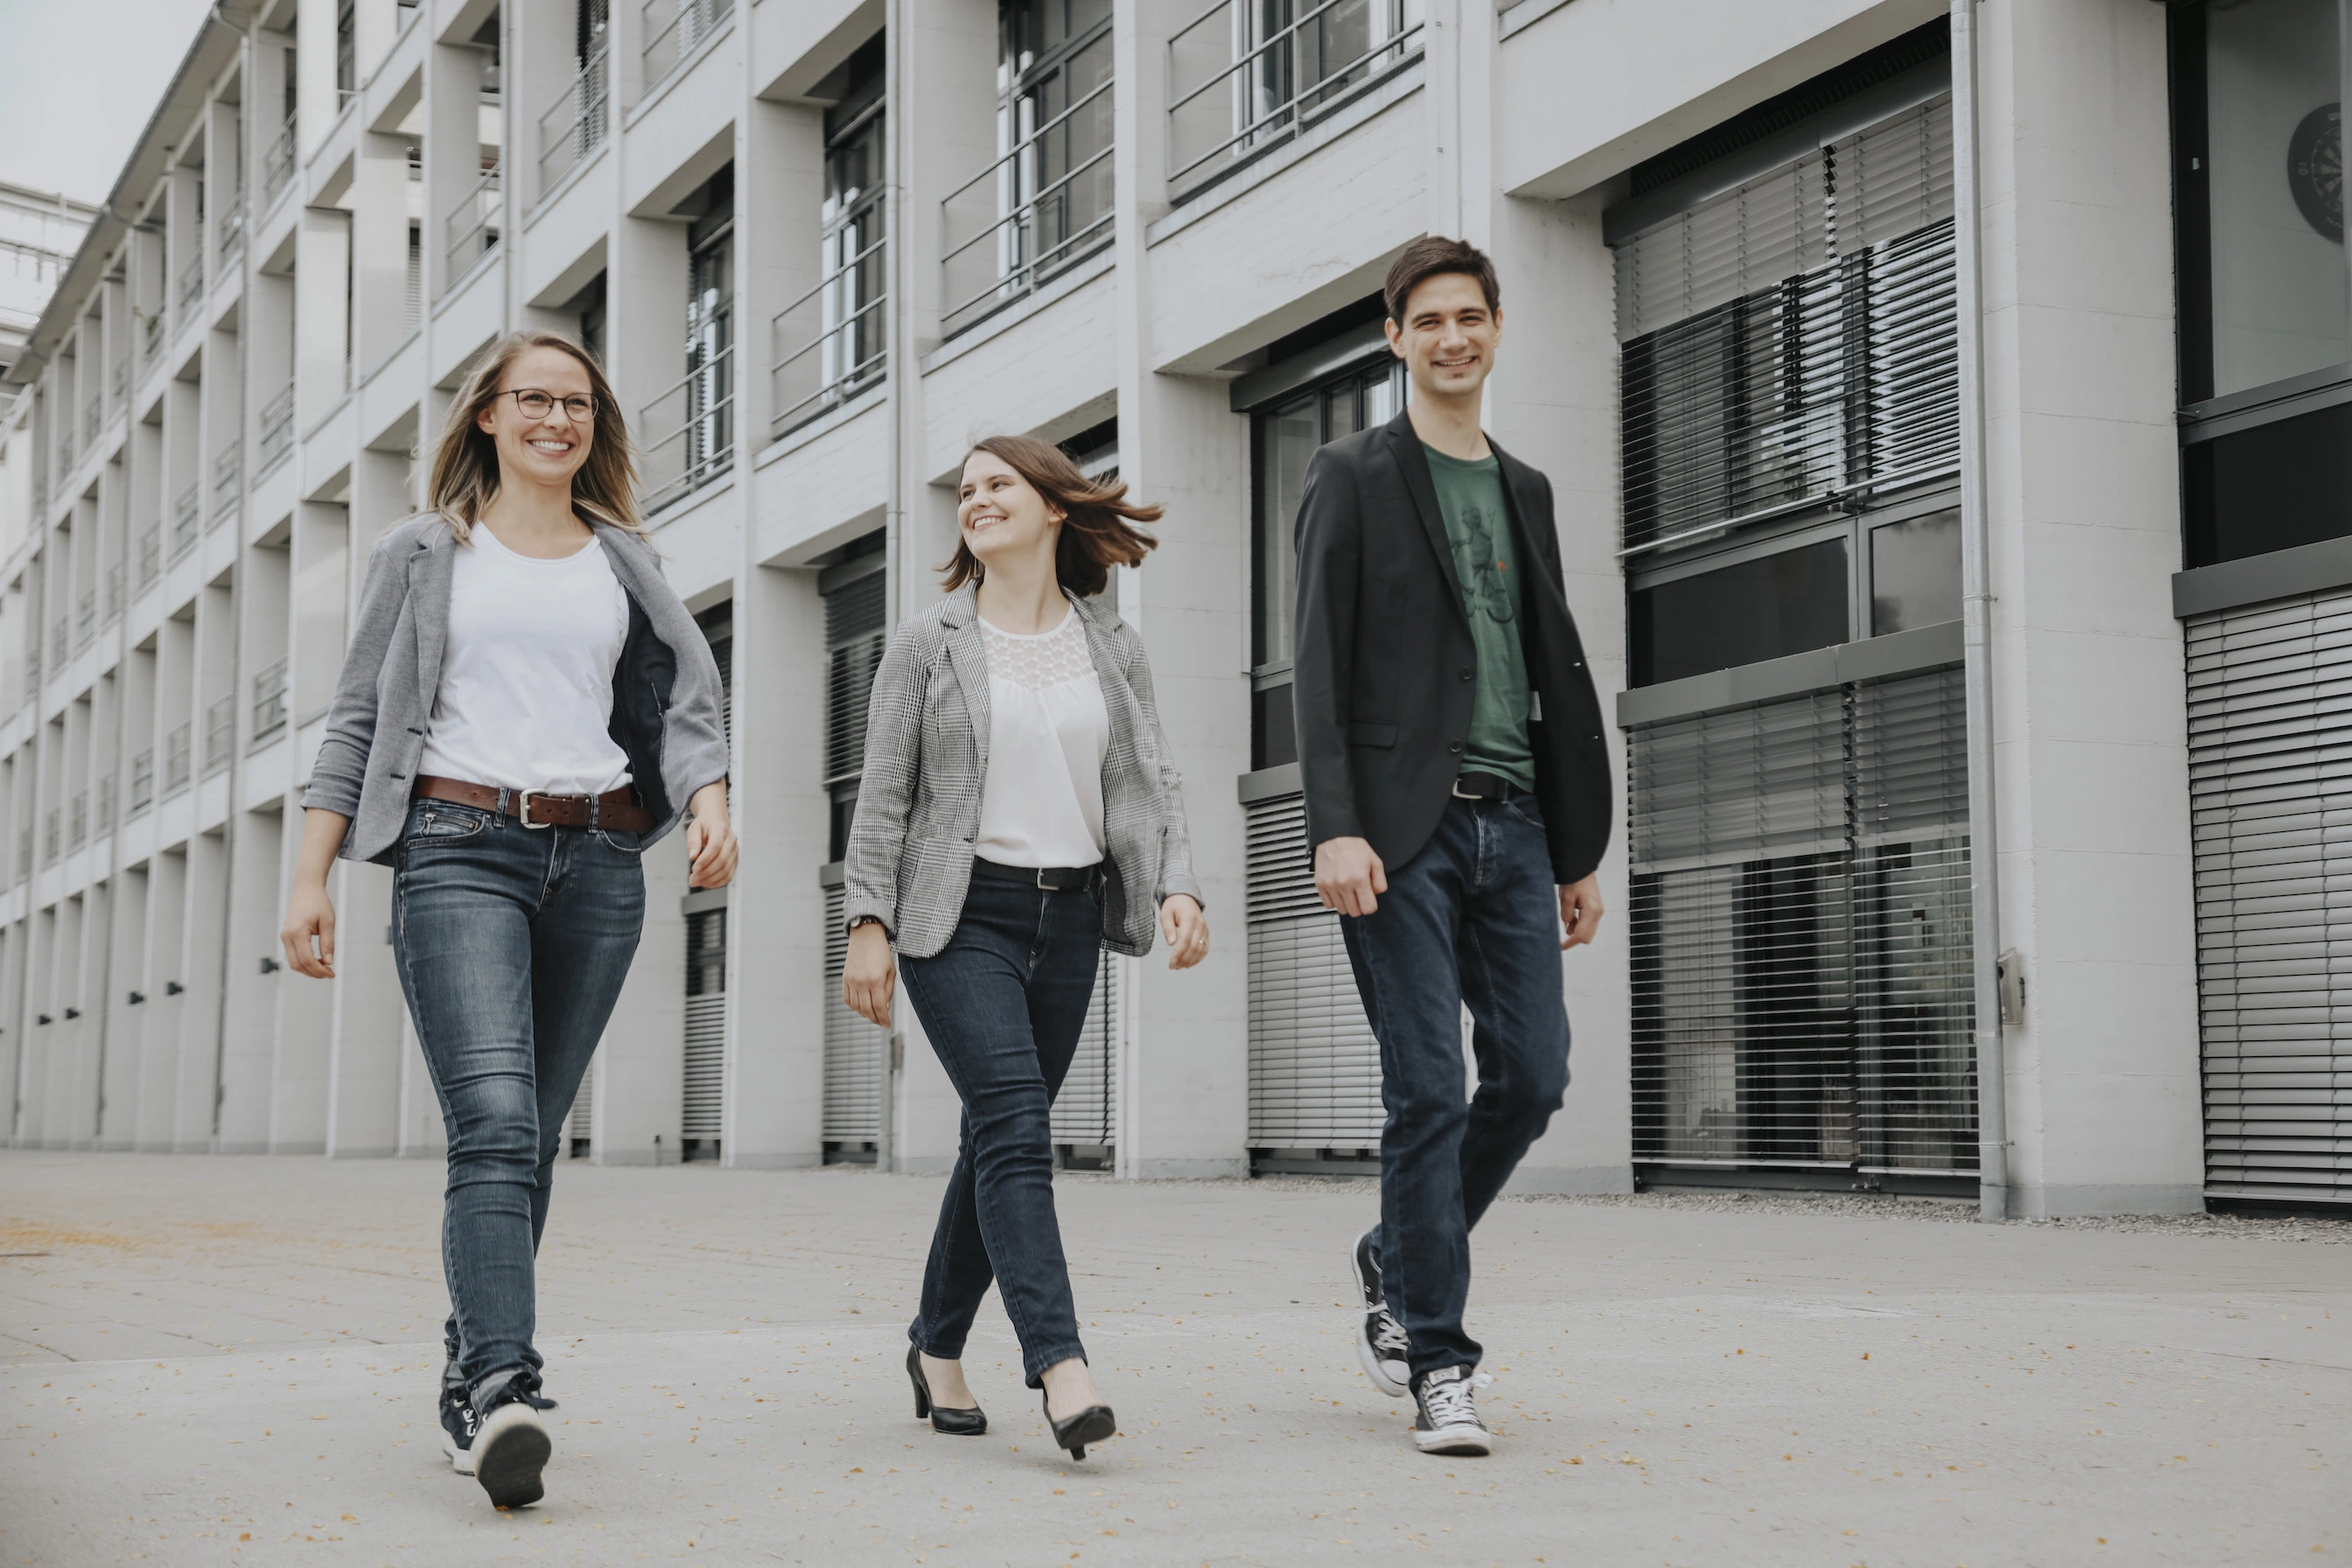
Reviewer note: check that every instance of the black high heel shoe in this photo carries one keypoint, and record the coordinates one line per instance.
(1095, 1424)
(968, 1423)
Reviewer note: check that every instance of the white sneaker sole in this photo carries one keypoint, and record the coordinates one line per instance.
(1367, 1356)
(1453, 1440)
(509, 1452)
(460, 1461)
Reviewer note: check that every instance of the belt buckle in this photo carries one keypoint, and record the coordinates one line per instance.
(1043, 886)
(1461, 793)
(522, 812)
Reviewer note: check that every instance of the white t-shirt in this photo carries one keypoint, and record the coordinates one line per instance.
(1041, 802)
(526, 697)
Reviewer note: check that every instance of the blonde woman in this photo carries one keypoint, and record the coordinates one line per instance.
(526, 706)
(1018, 814)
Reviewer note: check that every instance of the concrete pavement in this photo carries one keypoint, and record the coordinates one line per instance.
(233, 1360)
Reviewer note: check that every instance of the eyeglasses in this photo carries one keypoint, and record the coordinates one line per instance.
(538, 405)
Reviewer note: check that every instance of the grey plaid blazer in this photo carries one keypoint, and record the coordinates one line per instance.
(909, 856)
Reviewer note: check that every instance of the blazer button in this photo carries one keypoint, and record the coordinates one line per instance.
(1454, 746)
(1469, 671)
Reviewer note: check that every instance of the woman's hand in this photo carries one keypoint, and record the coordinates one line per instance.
(308, 933)
(870, 974)
(1185, 930)
(710, 846)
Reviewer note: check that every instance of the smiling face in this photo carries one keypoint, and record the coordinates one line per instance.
(1448, 336)
(1001, 514)
(547, 449)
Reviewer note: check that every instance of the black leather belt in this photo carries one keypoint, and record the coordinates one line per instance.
(1051, 878)
(1474, 785)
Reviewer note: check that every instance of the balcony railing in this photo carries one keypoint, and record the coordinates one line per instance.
(65, 449)
(53, 833)
(231, 228)
(103, 824)
(60, 644)
(175, 761)
(268, 701)
(278, 164)
(112, 608)
(192, 284)
(574, 125)
(830, 342)
(1239, 84)
(188, 519)
(93, 420)
(1042, 207)
(85, 620)
(691, 429)
(472, 226)
(32, 672)
(229, 475)
(118, 383)
(672, 30)
(220, 734)
(277, 433)
(78, 820)
(150, 554)
(24, 852)
(151, 337)
(142, 781)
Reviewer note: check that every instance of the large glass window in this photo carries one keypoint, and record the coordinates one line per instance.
(829, 343)
(690, 428)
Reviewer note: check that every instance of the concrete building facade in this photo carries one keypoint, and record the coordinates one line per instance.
(821, 244)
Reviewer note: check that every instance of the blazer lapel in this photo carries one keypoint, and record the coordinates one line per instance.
(970, 661)
(429, 575)
(1518, 487)
(1406, 446)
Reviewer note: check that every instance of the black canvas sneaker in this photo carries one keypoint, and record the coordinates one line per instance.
(458, 1427)
(1379, 1338)
(512, 1446)
(1447, 1420)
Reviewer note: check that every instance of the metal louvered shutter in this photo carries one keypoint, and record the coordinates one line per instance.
(1087, 1110)
(2269, 765)
(1800, 936)
(581, 1128)
(705, 1024)
(855, 1052)
(1315, 1068)
(1794, 339)
(854, 618)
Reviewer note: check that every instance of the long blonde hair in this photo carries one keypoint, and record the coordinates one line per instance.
(465, 459)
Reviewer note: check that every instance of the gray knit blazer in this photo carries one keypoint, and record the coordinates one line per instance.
(909, 856)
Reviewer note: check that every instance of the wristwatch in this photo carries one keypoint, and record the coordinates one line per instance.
(868, 921)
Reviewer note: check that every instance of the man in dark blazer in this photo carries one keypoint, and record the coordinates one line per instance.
(1458, 800)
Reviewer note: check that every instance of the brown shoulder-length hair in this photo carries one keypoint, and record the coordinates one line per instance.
(1099, 530)
(465, 474)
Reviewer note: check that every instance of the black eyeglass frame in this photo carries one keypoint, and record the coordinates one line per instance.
(595, 404)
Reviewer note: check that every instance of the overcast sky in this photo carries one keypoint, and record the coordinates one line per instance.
(78, 81)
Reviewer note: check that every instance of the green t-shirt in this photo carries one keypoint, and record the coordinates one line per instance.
(1478, 524)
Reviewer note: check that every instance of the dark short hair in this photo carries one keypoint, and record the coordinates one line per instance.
(1429, 256)
(1097, 519)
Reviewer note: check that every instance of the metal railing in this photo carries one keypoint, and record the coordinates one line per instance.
(78, 820)
(66, 448)
(53, 832)
(231, 228)
(830, 347)
(142, 781)
(672, 30)
(276, 438)
(472, 227)
(220, 734)
(60, 643)
(1238, 85)
(93, 420)
(187, 519)
(268, 701)
(113, 606)
(150, 554)
(175, 761)
(85, 620)
(24, 852)
(192, 283)
(151, 337)
(1028, 215)
(33, 671)
(574, 125)
(696, 418)
(103, 824)
(229, 476)
(278, 164)
(118, 383)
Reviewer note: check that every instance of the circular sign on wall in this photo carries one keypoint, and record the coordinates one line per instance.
(2314, 170)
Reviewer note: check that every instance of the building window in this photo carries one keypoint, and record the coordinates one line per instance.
(830, 343)
(856, 626)
(2266, 328)
(347, 73)
(691, 426)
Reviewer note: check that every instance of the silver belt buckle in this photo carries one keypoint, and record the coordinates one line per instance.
(1458, 794)
(522, 812)
(1042, 885)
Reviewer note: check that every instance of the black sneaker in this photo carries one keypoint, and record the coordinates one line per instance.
(1447, 1420)
(1379, 1338)
(511, 1446)
(458, 1425)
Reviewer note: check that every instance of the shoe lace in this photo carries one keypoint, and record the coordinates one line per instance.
(1389, 1335)
(1455, 1400)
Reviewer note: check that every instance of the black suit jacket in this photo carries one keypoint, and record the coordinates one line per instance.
(1386, 671)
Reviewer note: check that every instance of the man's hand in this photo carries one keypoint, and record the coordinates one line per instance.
(1349, 876)
(1580, 911)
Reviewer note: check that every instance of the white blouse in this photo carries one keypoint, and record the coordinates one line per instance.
(1041, 803)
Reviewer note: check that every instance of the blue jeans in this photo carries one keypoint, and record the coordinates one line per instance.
(1003, 1004)
(1473, 919)
(512, 944)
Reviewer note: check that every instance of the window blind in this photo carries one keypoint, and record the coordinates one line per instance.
(855, 1051)
(1315, 1068)
(706, 1024)
(853, 640)
(1085, 1112)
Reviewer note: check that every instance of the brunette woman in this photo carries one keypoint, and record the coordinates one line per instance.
(526, 706)
(1018, 814)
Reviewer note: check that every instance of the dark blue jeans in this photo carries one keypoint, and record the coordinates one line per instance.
(1003, 1004)
(1472, 920)
(512, 944)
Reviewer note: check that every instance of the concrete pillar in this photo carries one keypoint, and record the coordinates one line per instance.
(2095, 868)
(159, 1045)
(125, 1082)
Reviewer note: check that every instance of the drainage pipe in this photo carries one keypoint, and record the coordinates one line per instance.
(1976, 600)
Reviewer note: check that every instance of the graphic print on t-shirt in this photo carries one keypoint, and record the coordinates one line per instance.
(1482, 556)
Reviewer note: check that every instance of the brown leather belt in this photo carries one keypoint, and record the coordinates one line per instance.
(613, 808)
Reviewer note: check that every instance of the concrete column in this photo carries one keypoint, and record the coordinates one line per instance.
(2096, 874)
(379, 237)
(323, 258)
(158, 1044)
(125, 1082)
